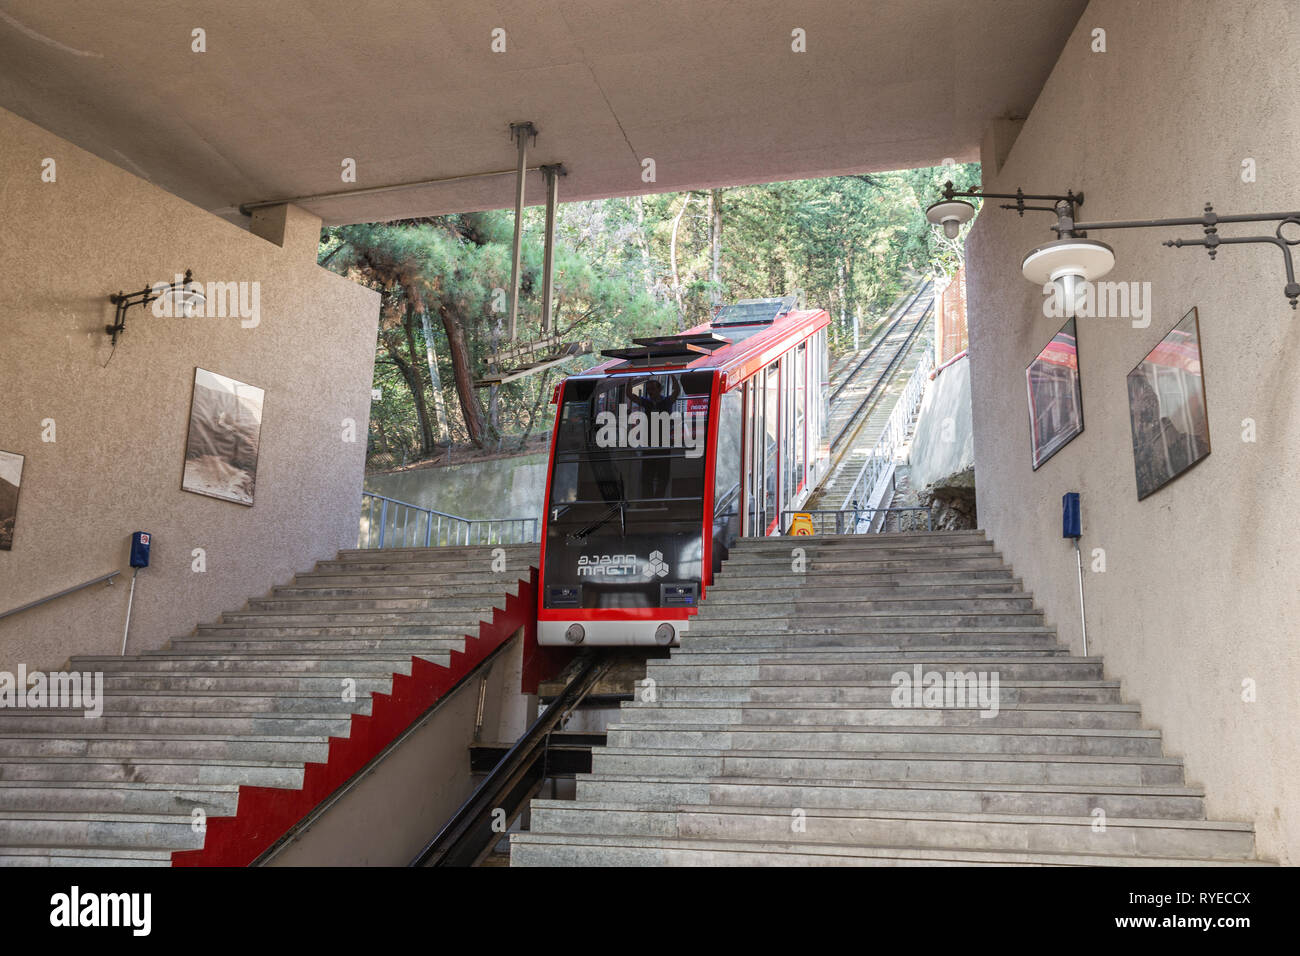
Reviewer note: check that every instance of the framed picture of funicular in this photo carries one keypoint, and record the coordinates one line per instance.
(1055, 396)
(11, 478)
(1167, 412)
(224, 438)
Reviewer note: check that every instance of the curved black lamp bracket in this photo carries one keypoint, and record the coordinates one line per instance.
(1067, 228)
(1072, 198)
(124, 301)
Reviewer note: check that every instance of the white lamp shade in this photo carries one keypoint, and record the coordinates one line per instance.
(185, 297)
(1085, 258)
(949, 210)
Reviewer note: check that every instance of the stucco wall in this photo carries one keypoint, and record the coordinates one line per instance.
(121, 418)
(1199, 591)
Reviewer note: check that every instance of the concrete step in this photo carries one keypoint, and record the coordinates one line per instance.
(741, 558)
(141, 701)
(536, 849)
(238, 630)
(370, 619)
(303, 589)
(73, 723)
(469, 604)
(344, 665)
(128, 746)
(1111, 770)
(848, 604)
(151, 798)
(1078, 800)
(348, 575)
(857, 542)
(64, 856)
(898, 739)
(89, 829)
(726, 593)
(1082, 716)
(453, 554)
(1195, 839)
(188, 771)
(370, 681)
(781, 576)
(760, 666)
(700, 639)
(388, 560)
(417, 647)
(878, 693)
(829, 623)
(782, 697)
(737, 566)
(249, 700)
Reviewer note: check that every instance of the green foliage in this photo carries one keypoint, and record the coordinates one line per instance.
(849, 244)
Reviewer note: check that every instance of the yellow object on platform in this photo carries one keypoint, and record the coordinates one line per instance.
(801, 524)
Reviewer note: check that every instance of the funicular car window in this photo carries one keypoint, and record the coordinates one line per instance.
(628, 482)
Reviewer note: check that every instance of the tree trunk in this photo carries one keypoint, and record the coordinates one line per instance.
(639, 206)
(537, 406)
(715, 245)
(431, 359)
(461, 370)
(412, 374)
(843, 297)
(672, 259)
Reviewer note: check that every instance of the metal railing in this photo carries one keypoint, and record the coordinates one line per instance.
(58, 594)
(876, 469)
(472, 831)
(865, 520)
(389, 523)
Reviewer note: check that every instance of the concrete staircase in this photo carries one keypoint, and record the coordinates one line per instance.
(774, 738)
(248, 700)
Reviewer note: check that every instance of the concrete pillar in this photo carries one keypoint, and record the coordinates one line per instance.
(288, 226)
(996, 145)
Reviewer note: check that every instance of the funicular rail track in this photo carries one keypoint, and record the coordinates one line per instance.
(894, 318)
(843, 438)
(469, 836)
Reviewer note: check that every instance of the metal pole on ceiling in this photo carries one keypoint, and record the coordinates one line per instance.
(521, 133)
(552, 175)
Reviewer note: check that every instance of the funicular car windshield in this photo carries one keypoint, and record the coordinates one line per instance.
(625, 514)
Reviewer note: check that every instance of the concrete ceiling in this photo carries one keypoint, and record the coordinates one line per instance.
(412, 91)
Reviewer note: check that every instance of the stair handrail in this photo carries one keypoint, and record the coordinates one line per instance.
(58, 594)
(440, 528)
(892, 437)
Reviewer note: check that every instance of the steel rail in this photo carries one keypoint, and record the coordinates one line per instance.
(897, 316)
(855, 420)
(472, 831)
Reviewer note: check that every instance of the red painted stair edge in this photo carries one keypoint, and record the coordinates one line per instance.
(264, 814)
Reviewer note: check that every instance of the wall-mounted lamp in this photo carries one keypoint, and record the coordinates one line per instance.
(1072, 257)
(185, 296)
(951, 214)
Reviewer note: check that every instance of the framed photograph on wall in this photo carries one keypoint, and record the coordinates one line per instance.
(11, 478)
(225, 432)
(1166, 406)
(1055, 397)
